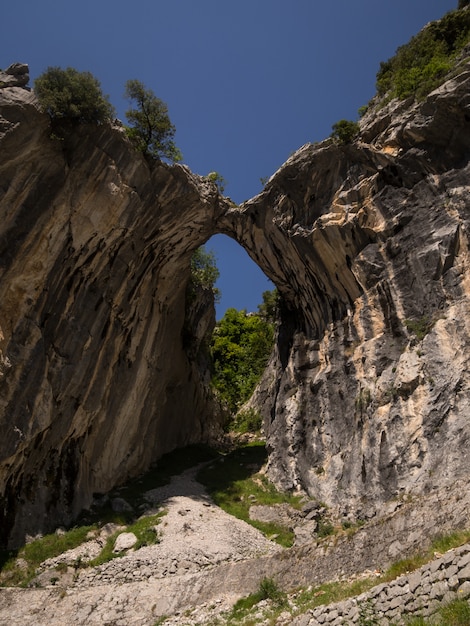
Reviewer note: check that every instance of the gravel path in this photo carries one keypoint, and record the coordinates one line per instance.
(194, 534)
(197, 539)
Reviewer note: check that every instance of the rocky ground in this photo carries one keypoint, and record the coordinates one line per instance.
(194, 536)
(203, 562)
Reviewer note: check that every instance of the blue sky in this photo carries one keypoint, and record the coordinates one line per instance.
(246, 82)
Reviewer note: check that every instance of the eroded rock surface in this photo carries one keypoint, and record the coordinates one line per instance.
(99, 375)
(366, 398)
(367, 394)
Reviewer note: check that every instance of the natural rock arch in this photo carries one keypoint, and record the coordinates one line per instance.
(97, 376)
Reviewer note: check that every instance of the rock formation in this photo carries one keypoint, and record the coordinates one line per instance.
(96, 381)
(366, 399)
(366, 396)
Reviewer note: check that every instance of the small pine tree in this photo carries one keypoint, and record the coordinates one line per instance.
(345, 131)
(150, 130)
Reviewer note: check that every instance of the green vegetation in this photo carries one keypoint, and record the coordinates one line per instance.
(151, 130)
(269, 308)
(218, 180)
(421, 65)
(300, 602)
(419, 327)
(145, 531)
(345, 131)
(72, 96)
(240, 348)
(20, 567)
(267, 590)
(363, 399)
(246, 421)
(204, 272)
(235, 483)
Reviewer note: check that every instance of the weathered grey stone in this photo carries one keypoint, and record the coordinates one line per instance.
(16, 75)
(464, 573)
(124, 541)
(120, 505)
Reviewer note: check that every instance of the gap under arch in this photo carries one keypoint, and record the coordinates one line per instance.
(241, 281)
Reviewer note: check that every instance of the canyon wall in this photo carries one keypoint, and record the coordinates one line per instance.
(365, 400)
(99, 373)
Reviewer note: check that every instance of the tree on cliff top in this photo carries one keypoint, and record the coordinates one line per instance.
(72, 96)
(150, 130)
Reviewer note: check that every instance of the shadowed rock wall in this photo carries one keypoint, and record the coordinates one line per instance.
(94, 250)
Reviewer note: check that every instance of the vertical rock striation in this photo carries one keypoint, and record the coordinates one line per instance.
(96, 382)
(366, 398)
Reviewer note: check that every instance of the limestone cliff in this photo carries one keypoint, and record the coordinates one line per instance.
(96, 378)
(366, 399)
(366, 396)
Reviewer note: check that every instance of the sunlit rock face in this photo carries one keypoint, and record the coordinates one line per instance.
(102, 366)
(366, 399)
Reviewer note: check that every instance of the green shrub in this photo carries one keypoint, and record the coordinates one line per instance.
(72, 96)
(421, 65)
(151, 130)
(345, 131)
(240, 348)
(204, 271)
(419, 327)
(267, 590)
(247, 421)
(218, 180)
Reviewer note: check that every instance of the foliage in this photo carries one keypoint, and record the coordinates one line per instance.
(241, 345)
(419, 327)
(363, 399)
(269, 308)
(234, 482)
(422, 64)
(267, 590)
(218, 180)
(247, 421)
(38, 551)
(367, 615)
(72, 96)
(143, 529)
(151, 130)
(345, 131)
(204, 271)
(455, 613)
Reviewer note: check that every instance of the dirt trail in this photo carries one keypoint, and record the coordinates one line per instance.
(196, 537)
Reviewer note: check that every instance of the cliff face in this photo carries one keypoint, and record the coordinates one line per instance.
(96, 381)
(366, 397)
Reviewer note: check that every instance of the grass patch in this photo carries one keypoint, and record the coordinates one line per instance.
(33, 554)
(441, 544)
(267, 590)
(18, 567)
(235, 483)
(143, 529)
(456, 613)
(419, 327)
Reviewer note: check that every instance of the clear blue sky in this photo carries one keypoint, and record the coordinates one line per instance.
(246, 82)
